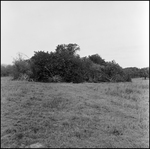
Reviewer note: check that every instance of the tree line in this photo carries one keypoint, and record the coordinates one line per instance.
(65, 65)
(135, 72)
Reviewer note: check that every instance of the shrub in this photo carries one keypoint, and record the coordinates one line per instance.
(21, 68)
(118, 78)
(6, 70)
(64, 65)
(127, 78)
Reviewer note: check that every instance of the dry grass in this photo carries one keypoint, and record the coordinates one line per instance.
(63, 115)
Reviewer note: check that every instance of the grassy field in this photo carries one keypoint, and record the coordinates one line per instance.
(63, 115)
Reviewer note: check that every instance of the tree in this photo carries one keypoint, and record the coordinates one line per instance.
(135, 72)
(87, 68)
(63, 62)
(69, 49)
(6, 70)
(69, 63)
(144, 72)
(39, 63)
(114, 73)
(97, 59)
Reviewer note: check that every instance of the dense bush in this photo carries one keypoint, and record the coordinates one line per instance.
(64, 62)
(21, 68)
(6, 70)
(65, 65)
(38, 65)
(144, 72)
(127, 78)
(134, 72)
(113, 72)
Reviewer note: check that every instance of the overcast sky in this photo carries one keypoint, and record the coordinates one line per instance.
(115, 30)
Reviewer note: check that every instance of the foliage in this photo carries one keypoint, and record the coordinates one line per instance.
(6, 70)
(113, 72)
(65, 65)
(69, 49)
(127, 78)
(63, 62)
(87, 68)
(134, 72)
(39, 64)
(144, 72)
(97, 59)
(74, 73)
(21, 68)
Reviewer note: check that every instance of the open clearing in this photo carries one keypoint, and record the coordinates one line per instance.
(65, 115)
